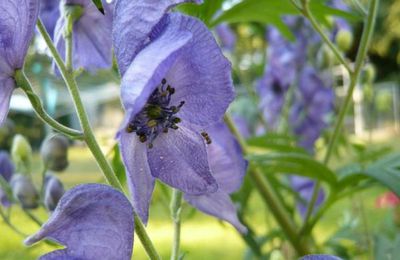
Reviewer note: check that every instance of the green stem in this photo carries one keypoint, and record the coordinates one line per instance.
(145, 239)
(91, 140)
(354, 77)
(271, 199)
(308, 14)
(33, 217)
(26, 86)
(176, 203)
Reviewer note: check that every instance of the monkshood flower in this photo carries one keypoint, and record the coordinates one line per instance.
(17, 24)
(49, 13)
(228, 167)
(53, 191)
(176, 85)
(92, 44)
(93, 221)
(54, 152)
(226, 36)
(320, 257)
(6, 171)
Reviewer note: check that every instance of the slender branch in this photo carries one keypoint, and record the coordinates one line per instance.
(26, 86)
(354, 77)
(305, 10)
(176, 203)
(270, 198)
(91, 140)
(33, 217)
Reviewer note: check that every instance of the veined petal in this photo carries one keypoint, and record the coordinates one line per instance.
(201, 76)
(133, 23)
(140, 180)
(179, 159)
(226, 158)
(217, 204)
(93, 221)
(17, 24)
(150, 66)
(7, 86)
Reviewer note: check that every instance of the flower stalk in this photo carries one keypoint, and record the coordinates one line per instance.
(175, 207)
(89, 137)
(354, 77)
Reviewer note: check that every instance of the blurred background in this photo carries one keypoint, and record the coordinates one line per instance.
(357, 225)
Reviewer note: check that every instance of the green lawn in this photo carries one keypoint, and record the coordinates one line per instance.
(203, 237)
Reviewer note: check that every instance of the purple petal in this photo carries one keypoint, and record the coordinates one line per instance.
(305, 187)
(92, 43)
(53, 191)
(149, 67)
(93, 221)
(133, 23)
(49, 13)
(320, 257)
(17, 24)
(226, 158)
(217, 204)
(141, 182)
(201, 76)
(226, 36)
(179, 159)
(6, 166)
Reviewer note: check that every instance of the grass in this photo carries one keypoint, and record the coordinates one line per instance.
(203, 237)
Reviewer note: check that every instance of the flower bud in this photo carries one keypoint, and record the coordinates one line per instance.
(325, 57)
(21, 153)
(54, 152)
(6, 133)
(24, 191)
(369, 73)
(53, 191)
(344, 40)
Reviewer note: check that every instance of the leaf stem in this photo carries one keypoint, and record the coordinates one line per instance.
(354, 77)
(91, 140)
(270, 198)
(175, 207)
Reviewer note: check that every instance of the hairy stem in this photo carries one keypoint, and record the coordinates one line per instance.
(90, 138)
(354, 77)
(175, 207)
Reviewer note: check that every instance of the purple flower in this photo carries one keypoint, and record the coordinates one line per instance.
(6, 171)
(49, 13)
(226, 36)
(228, 167)
(17, 24)
(176, 82)
(320, 257)
(92, 44)
(305, 187)
(53, 191)
(92, 221)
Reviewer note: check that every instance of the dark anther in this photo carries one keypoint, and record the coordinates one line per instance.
(131, 128)
(176, 120)
(142, 138)
(163, 81)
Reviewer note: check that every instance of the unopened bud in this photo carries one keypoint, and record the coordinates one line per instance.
(53, 191)
(24, 191)
(344, 40)
(54, 152)
(21, 153)
(369, 73)
(325, 57)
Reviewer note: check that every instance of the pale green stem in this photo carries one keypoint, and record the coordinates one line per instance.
(90, 138)
(270, 198)
(23, 83)
(33, 217)
(176, 204)
(354, 77)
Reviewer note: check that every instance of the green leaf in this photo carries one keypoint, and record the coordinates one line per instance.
(387, 172)
(117, 164)
(295, 163)
(276, 142)
(204, 12)
(271, 12)
(99, 5)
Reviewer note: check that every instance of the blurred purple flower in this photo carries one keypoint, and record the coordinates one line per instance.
(49, 13)
(17, 24)
(228, 168)
(226, 36)
(92, 221)
(304, 187)
(320, 257)
(53, 191)
(92, 43)
(340, 23)
(24, 191)
(176, 82)
(6, 171)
